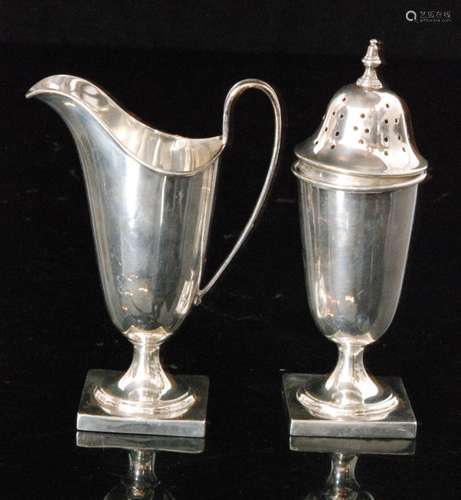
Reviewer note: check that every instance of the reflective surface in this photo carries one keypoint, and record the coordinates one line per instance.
(93, 414)
(365, 420)
(341, 482)
(92, 114)
(355, 251)
(248, 330)
(140, 480)
(151, 198)
(357, 179)
(365, 141)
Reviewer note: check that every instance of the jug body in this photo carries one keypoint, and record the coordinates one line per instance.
(150, 231)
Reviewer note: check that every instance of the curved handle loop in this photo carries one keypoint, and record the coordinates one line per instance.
(238, 89)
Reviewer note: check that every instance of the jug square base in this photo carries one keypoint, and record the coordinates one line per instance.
(91, 417)
(400, 424)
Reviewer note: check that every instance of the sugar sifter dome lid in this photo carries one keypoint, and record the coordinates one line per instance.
(365, 141)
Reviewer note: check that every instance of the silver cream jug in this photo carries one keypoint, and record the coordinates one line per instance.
(151, 197)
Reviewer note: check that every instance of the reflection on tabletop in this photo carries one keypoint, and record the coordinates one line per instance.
(140, 481)
(341, 483)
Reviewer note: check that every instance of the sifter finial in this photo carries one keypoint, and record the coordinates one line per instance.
(371, 61)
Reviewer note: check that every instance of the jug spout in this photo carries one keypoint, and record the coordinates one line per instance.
(87, 109)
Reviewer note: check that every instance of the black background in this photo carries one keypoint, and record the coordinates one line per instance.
(172, 65)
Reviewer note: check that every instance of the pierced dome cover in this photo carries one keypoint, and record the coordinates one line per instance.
(365, 141)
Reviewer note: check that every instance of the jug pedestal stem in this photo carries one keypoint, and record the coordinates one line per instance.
(146, 379)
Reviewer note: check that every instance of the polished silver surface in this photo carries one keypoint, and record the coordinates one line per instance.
(151, 197)
(365, 141)
(353, 446)
(341, 482)
(355, 247)
(357, 179)
(107, 440)
(92, 416)
(140, 481)
(398, 424)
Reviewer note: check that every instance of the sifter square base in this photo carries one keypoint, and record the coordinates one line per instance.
(400, 424)
(91, 417)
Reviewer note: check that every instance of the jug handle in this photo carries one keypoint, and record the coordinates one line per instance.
(235, 92)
